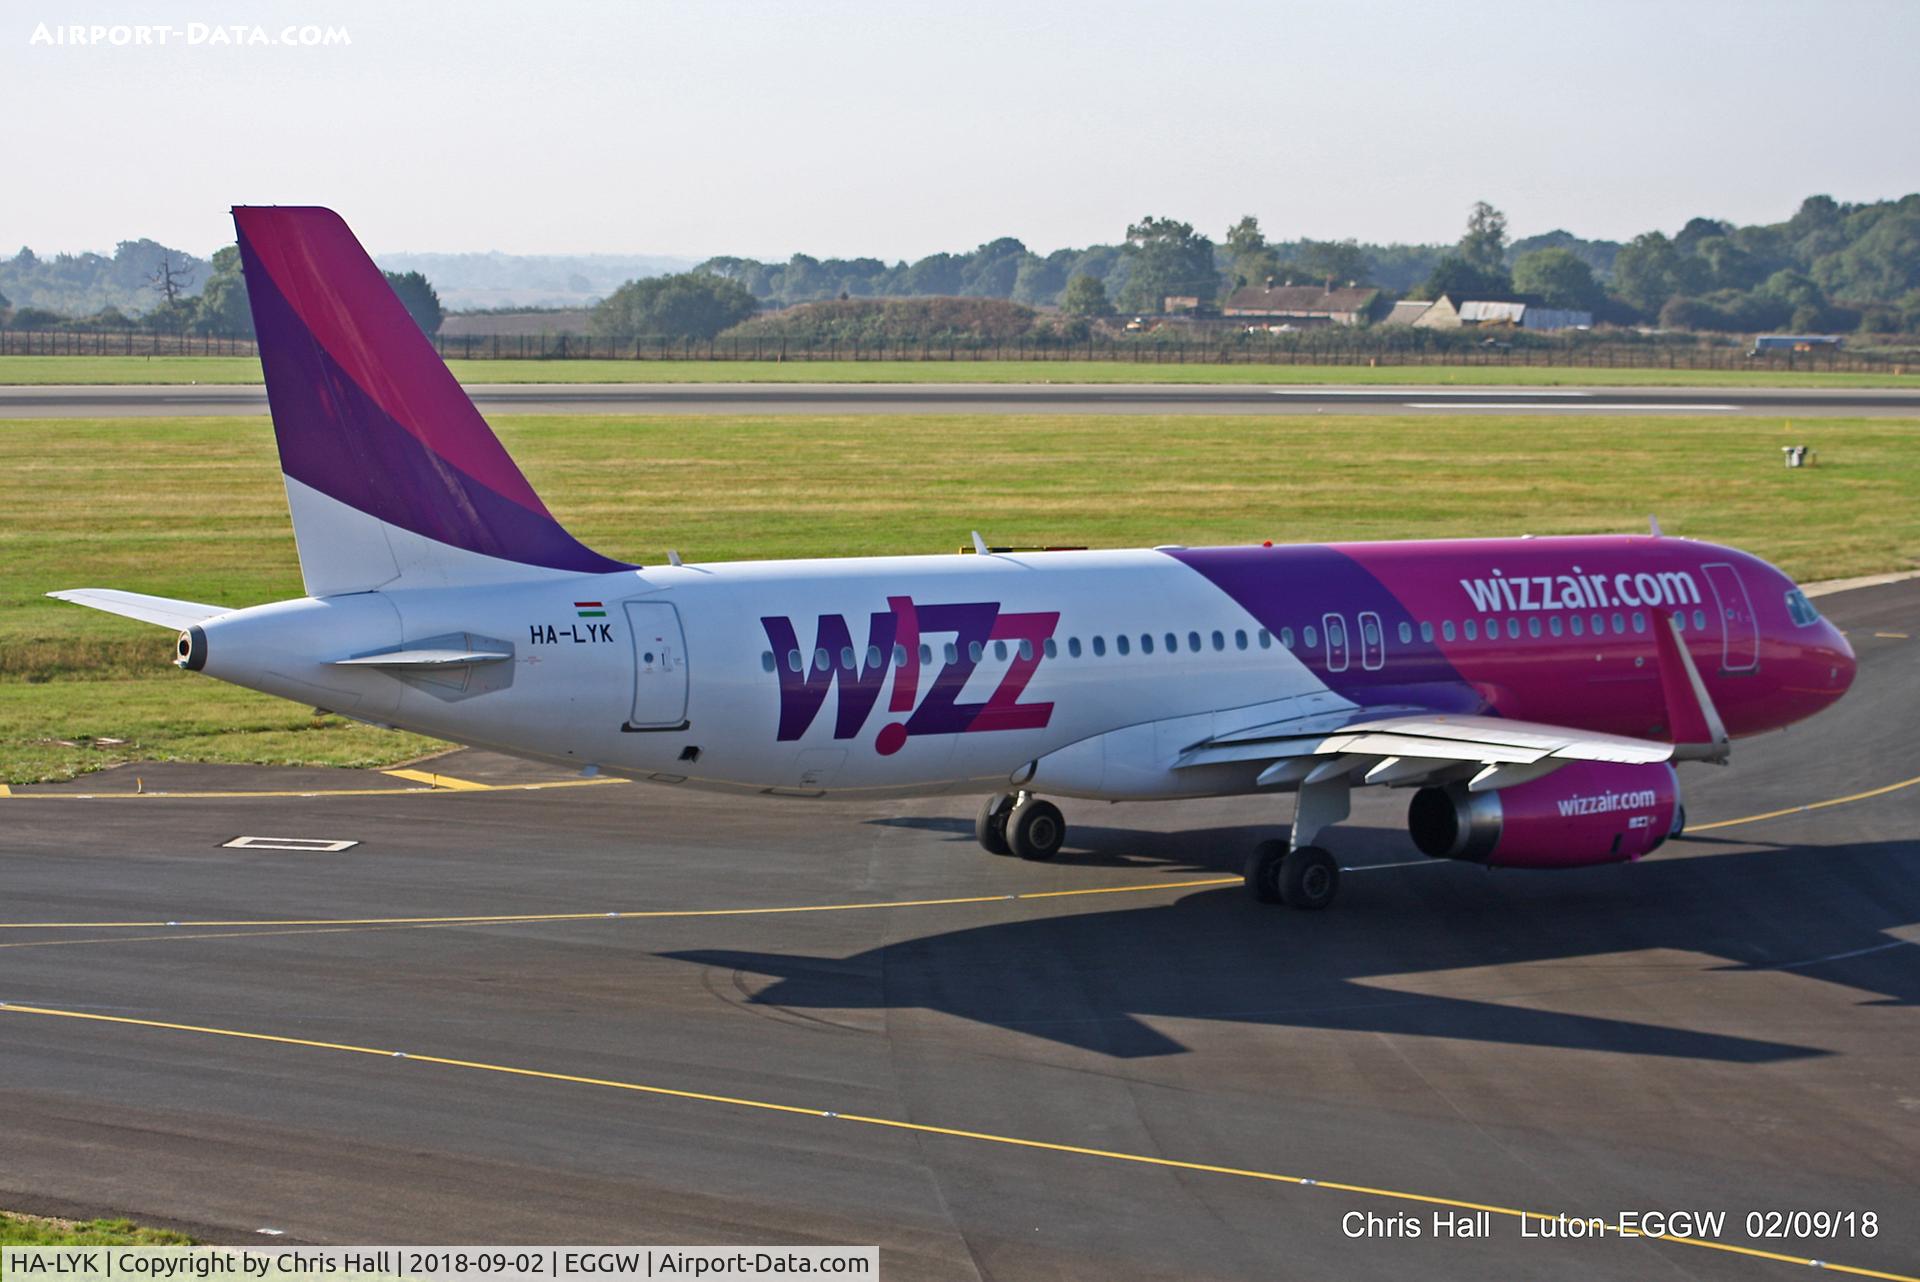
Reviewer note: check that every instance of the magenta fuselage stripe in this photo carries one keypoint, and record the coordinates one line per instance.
(339, 296)
(1524, 598)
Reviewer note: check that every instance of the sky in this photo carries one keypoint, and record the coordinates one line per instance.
(897, 129)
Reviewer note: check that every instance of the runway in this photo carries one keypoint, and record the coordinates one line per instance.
(529, 1007)
(1004, 398)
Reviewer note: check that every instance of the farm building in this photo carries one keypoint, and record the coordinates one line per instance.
(1301, 306)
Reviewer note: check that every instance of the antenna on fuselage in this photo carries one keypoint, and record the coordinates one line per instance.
(1653, 523)
(979, 544)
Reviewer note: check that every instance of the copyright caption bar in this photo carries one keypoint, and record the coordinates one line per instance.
(366, 1263)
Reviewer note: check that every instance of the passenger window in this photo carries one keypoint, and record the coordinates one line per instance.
(1370, 634)
(1619, 626)
(1426, 631)
(1026, 649)
(1639, 621)
(793, 661)
(1578, 623)
(1533, 625)
(1336, 633)
(1219, 641)
(766, 661)
(1446, 629)
(1239, 638)
(1513, 627)
(846, 657)
(899, 656)
(926, 654)
(1406, 633)
(1073, 647)
(1146, 643)
(1599, 624)
(1286, 637)
(1310, 636)
(1000, 650)
(1173, 643)
(1193, 642)
(1099, 647)
(1266, 639)
(873, 656)
(1049, 648)
(974, 651)
(953, 653)
(1555, 626)
(820, 659)
(1493, 628)
(1700, 620)
(1120, 643)
(1473, 630)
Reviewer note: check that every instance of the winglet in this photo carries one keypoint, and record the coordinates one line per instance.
(1693, 723)
(1653, 524)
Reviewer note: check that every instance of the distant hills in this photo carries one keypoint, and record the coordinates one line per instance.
(87, 284)
(471, 282)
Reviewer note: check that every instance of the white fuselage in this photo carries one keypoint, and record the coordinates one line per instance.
(624, 691)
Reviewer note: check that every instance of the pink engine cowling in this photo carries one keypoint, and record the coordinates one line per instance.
(1586, 812)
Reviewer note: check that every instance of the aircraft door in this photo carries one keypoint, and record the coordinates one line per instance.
(1738, 625)
(1373, 642)
(1336, 630)
(659, 667)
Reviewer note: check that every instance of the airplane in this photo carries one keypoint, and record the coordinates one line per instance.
(1533, 694)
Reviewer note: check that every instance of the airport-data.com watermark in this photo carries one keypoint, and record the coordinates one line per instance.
(187, 35)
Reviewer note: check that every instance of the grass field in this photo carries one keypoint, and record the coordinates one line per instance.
(38, 1230)
(194, 508)
(239, 369)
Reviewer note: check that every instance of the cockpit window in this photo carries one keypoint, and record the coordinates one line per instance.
(1802, 609)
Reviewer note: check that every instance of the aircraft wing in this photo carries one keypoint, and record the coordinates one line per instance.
(1406, 748)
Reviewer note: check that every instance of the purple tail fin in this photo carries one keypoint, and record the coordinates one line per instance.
(372, 424)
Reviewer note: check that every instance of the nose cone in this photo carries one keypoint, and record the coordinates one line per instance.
(1840, 662)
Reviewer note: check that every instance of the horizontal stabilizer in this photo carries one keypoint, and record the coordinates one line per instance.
(161, 611)
(424, 659)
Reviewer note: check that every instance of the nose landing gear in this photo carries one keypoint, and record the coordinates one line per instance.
(1020, 824)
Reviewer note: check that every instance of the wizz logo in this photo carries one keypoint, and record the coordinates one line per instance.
(893, 647)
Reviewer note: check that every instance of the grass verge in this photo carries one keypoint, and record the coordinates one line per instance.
(40, 1230)
(194, 508)
(237, 369)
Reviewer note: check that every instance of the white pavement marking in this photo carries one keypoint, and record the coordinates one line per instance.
(1577, 409)
(316, 845)
(1382, 390)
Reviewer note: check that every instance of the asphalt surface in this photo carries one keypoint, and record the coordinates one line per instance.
(1729, 1025)
(954, 398)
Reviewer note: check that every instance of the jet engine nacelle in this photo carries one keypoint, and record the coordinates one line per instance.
(1586, 812)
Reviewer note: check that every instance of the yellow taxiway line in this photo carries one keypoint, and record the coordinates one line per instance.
(433, 784)
(923, 1128)
(636, 914)
(433, 780)
(1811, 805)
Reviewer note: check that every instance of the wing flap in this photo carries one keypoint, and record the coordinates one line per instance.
(1408, 749)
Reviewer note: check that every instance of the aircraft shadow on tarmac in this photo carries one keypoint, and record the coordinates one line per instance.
(1086, 979)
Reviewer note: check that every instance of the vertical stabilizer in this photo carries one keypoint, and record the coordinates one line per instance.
(392, 476)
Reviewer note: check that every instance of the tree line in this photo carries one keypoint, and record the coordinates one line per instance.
(1830, 267)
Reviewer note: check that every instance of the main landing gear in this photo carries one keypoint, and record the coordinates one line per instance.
(1299, 877)
(1295, 872)
(1020, 824)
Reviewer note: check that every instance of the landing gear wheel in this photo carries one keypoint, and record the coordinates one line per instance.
(1035, 829)
(990, 825)
(1263, 871)
(1309, 878)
